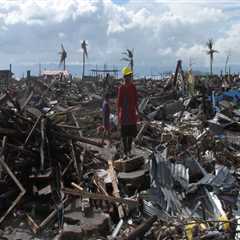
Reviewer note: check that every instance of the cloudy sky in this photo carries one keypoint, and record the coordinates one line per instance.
(160, 31)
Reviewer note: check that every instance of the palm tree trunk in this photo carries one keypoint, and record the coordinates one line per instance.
(211, 65)
(64, 65)
(83, 70)
(226, 65)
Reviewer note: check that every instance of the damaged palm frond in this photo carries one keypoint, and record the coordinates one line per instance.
(129, 57)
(211, 52)
(85, 54)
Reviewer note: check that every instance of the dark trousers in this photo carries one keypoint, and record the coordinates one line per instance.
(127, 144)
(128, 133)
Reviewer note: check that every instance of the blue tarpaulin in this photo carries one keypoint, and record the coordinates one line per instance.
(215, 99)
(235, 94)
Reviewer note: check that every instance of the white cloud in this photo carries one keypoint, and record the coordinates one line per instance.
(164, 51)
(230, 42)
(44, 11)
(159, 31)
(198, 52)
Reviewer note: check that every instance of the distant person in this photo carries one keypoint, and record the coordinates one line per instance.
(106, 119)
(127, 110)
(106, 83)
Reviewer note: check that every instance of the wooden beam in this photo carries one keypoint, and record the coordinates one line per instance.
(98, 196)
(77, 124)
(79, 139)
(116, 191)
(75, 163)
(22, 190)
(27, 100)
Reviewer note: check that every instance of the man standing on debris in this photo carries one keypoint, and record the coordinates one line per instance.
(127, 110)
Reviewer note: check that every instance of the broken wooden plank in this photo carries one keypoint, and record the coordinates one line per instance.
(75, 163)
(32, 130)
(98, 196)
(26, 101)
(140, 133)
(36, 228)
(19, 185)
(116, 191)
(100, 185)
(77, 124)
(68, 127)
(32, 224)
(68, 165)
(79, 139)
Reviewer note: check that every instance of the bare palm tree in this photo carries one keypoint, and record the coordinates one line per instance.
(128, 58)
(227, 61)
(63, 56)
(211, 53)
(85, 54)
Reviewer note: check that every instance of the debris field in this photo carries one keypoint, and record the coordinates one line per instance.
(59, 182)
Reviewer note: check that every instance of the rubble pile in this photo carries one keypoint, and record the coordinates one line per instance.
(59, 182)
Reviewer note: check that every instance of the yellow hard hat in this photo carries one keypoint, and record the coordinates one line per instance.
(126, 71)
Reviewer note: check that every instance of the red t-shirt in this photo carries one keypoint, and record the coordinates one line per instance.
(127, 104)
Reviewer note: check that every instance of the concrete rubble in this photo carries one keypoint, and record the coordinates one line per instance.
(59, 182)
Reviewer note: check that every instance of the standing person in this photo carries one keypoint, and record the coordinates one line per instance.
(106, 118)
(127, 110)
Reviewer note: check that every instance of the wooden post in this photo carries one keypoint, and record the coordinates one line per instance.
(116, 192)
